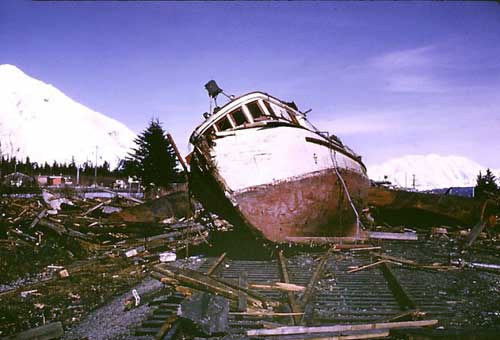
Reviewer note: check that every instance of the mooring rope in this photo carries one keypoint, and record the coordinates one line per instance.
(335, 166)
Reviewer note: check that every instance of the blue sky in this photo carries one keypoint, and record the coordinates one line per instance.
(389, 78)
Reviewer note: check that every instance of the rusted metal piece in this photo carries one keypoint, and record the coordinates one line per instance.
(294, 306)
(404, 300)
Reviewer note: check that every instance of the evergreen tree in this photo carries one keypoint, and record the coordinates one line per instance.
(486, 185)
(153, 161)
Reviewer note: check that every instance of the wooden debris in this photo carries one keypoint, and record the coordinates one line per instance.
(49, 331)
(292, 302)
(38, 217)
(392, 236)
(439, 231)
(218, 286)
(339, 328)
(371, 265)
(216, 264)
(281, 286)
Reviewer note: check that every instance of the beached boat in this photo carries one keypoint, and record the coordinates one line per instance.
(259, 163)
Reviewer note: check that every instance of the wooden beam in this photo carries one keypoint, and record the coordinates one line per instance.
(404, 300)
(285, 287)
(392, 236)
(371, 265)
(339, 328)
(216, 264)
(38, 217)
(49, 331)
(292, 302)
(177, 153)
(312, 283)
(324, 240)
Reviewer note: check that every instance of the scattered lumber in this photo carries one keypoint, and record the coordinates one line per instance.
(217, 286)
(339, 328)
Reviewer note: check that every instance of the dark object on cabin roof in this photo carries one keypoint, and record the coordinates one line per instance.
(213, 89)
(292, 105)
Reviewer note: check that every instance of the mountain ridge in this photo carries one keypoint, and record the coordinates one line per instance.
(39, 121)
(431, 171)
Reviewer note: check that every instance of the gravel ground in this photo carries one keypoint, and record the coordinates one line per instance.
(111, 321)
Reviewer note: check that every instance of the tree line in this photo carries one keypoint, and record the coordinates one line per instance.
(152, 161)
(26, 166)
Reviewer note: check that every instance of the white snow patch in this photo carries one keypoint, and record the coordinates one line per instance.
(431, 171)
(39, 121)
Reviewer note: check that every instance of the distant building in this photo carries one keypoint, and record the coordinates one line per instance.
(18, 180)
(44, 180)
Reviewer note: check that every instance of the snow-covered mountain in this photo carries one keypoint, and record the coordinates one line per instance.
(431, 171)
(39, 121)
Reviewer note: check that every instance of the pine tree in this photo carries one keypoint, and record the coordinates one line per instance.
(153, 161)
(486, 185)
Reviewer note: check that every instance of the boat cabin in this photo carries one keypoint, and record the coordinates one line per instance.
(251, 110)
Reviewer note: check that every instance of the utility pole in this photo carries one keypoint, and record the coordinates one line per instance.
(95, 167)
(413, 181)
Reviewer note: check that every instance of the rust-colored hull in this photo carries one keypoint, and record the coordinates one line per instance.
(314, 205)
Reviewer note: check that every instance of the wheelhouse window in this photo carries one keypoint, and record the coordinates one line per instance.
(255, 110)
(224, 124)
(239, 117)
(269, 108)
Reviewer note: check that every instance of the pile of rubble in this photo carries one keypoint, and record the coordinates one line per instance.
(62, 255)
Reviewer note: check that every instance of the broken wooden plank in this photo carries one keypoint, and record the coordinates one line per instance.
(242, 296)
(38, 217)
(281, 286)
(96, 207)
(265, 313)
(402, 297)
(372, 334)
(167, 325)
(379, 235)
(339, 328)
(49, 331)
(216, 264)
(371, 265)
(292, 302)
(178, 154)
(324, 240)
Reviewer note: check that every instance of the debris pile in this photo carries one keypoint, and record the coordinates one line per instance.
(62, 255)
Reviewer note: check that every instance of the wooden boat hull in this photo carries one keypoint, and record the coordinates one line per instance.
(279, 193)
